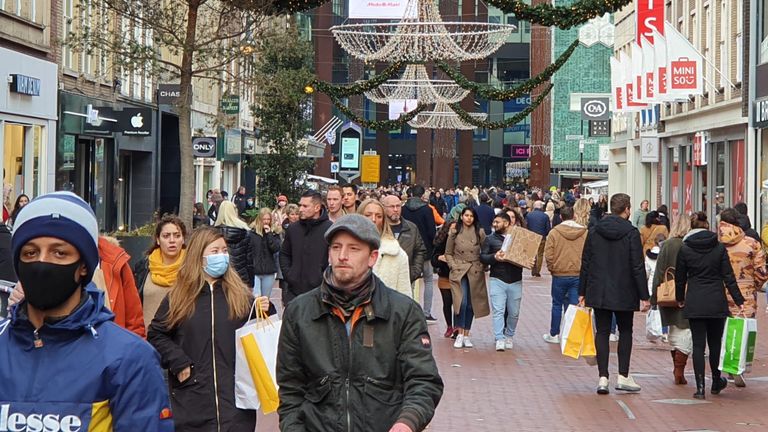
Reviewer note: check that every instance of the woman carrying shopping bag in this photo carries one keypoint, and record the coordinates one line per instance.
(672, 316)
(470, 293)
(194, 332)
(702, 269)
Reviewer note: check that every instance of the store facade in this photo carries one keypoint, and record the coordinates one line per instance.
(107, 153)
(27, 124)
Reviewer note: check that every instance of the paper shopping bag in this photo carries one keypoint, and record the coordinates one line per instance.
(751, 339)
(256, 358)
(733, 353)
(577, 337)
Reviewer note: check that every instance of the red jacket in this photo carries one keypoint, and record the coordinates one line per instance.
(123, 296)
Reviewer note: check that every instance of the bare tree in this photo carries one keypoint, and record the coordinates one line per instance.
(184, 40)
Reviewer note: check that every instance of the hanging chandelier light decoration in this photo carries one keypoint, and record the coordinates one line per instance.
(416, 84)
(425, 37)
(443, 117)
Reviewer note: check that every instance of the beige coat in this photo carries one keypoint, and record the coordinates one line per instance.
(463, 255)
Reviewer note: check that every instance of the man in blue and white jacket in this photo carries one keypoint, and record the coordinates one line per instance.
(64, 365)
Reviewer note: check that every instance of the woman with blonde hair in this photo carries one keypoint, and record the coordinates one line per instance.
(392, 265)
(266, 243)
(239, 239)
(581, 209)
(194, 332)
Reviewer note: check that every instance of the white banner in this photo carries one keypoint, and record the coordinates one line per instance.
(380, 9)
(401, 106)
(649, 149)
(660, 72)
(685, 65)
(617, 86)
(637, 72)
(629, 84)
(649, 65)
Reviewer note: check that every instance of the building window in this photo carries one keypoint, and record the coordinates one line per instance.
(763, 31)
(86, 12)
(739, 41)
(722, 46)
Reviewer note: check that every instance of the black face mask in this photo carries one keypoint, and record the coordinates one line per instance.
(47, 285)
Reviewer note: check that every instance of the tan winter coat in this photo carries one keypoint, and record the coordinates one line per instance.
(748, 263)
(392, 267)
(648, 236)
(463, 255)
(563, 248)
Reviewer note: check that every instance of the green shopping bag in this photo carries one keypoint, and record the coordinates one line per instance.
(733, 352)
(751, 339)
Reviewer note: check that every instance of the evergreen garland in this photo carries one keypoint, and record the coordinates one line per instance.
(377, 124)
(563, 17)
(359, 87)
(492, 93)
(517, 118)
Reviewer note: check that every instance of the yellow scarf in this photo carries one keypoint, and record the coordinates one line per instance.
(161, 274)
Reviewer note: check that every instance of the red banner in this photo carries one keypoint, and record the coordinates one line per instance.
(650, 16)
(738, 161)
(684, 74)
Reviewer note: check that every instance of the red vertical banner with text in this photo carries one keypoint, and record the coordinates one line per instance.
(688, 194)
(738, 168)
(650, 18)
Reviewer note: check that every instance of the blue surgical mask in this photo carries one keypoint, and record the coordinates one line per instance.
(216, 264)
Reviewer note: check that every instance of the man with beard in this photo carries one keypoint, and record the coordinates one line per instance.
(388, 380)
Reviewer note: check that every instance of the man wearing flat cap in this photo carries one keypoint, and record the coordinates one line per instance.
(353, 353)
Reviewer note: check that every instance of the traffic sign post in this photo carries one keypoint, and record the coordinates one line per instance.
(348, 176)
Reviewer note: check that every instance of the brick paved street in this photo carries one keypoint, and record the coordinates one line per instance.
(534, 388)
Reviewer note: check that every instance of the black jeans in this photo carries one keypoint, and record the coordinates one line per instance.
(447, 306)
(707, 331)
(603, 320)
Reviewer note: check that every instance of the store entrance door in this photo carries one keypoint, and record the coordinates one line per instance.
(93, 162)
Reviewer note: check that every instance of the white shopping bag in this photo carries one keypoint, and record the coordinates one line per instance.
(653, 329)
(255, 363)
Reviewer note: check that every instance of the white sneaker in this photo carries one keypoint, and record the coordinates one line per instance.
(613, 337)
(548, 338)
(627, 383)
(459, 342)
(467, 342)
(508, 344)
(602, 386)
(500, 345)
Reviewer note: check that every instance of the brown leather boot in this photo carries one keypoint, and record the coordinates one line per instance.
(680, 360)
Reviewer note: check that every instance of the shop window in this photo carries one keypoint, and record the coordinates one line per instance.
(719, 177)
(738, 171)
(675, 179)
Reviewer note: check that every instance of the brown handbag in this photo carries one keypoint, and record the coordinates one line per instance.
(665, 293)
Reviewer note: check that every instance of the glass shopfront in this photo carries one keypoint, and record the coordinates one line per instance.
(21, 161)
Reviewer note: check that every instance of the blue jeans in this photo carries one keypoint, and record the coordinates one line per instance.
(262, 284)
(466, 314)
(565, 291)
(505, 297)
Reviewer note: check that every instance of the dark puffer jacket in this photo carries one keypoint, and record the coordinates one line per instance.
(612, 266)
(703, 266)
(418, 212)
(264, 249)
(240, 248)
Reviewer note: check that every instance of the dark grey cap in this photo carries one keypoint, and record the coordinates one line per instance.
(358, 226)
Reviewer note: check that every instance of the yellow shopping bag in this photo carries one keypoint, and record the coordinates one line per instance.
(255, 383)
(577, 337)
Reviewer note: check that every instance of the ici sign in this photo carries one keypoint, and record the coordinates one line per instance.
(595, 108)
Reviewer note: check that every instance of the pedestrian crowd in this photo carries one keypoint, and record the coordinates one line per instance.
(152, 346)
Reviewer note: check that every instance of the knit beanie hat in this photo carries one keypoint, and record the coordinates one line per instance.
(62, 215)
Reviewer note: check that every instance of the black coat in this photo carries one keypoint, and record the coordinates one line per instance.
(383, 372)
(304, 256)
(418, 212)
(205, 336)
(441, 267)
(264, 249)
(7, 272)
(503, 270)
(240, 249)
(140, 273)
(612, 266)
(703, 266)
